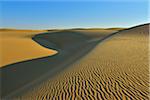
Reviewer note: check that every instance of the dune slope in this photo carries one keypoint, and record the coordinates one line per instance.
(17, 45)
(26, 74)
(116, 69)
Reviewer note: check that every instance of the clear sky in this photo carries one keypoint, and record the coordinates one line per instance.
(75, 14)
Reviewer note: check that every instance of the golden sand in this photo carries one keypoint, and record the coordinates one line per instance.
(17, 45)
(116, 69)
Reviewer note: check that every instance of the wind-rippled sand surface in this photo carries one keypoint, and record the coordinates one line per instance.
(116, 69)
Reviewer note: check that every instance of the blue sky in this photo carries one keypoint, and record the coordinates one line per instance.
(65, 14)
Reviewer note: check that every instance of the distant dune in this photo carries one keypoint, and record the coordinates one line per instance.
(96, 33)
(117, 69)
(17, 45)
(117, 28)
(114, 28)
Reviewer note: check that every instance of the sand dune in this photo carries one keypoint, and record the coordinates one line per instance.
(69, 45)
(96, 33)
(17, 45)
(117, 69)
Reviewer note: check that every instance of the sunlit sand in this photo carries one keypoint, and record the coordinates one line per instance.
(17, 45)
(116, 68)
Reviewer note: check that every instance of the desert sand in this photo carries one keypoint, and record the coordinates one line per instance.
(69, 45)
(17, 45)
(116, 69)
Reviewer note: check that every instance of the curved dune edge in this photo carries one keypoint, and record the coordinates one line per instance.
(116, 69)
(69, 43)
(17, 46)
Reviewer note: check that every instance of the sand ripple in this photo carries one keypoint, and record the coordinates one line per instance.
(116, 69)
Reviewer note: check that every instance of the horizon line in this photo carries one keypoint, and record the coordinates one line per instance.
(61, 28)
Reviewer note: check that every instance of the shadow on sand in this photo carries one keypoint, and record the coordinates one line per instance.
(71, 46)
